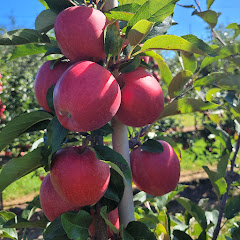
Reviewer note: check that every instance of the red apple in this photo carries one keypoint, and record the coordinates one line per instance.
(155, 173)
(78, 176)
(52, 204)
(142, 98)
(80, 33)
(8, 153)
(45, 78)
(145, 59)
(113, 217)
(86, 97)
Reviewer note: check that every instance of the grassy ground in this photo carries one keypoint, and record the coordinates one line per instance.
(26, 185)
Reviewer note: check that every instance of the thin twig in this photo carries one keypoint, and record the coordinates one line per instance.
(225, 196)
(198, 4)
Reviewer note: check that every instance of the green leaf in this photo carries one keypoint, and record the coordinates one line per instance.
(138, 230)
(20, 124)
(160, 28)
(131, 65)
(55, 231)
(103, 131)
(56, 133)
(222, 164)
(235, 234)
(180, 235)
(209, 79)
(123, 2)
(76, 225)
(223, 52)
(24, 223)
(112, 40)
(232, 207)
(178, 82)
(7, 232)
(129, 8)
(114, 192)
(218, 183)
(163, 67)
(58, 5)
(23, 36)
(233, 26)
(122, 16)
(201, 45)
(221, 135)
(52, 50)
(153, 11)
(186, 105)
(209, 3)
(106, 153)
(50, 98)
(152, 146)
(103, 213)
(189, 61)
(43, 3)
(45, 21)
(209, 16)
(28, 49)
(19, 167)
(194, 210)
(139, 31)
(229, 82)
(125, 235)
(171, 42)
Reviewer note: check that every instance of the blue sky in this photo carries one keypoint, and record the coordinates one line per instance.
(25, 12)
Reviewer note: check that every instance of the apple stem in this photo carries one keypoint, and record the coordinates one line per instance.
(121, 145)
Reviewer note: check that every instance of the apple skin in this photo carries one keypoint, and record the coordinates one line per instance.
(142, 98)
(78, 176)
(155, 173)
(86, 97)
(52, 204)
(113, 217)
(80, 33)
(45, 78)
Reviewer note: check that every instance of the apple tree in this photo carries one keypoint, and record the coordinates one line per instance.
(100, 83)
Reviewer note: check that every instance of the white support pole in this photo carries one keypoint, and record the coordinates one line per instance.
(121, 145)
(109, 4)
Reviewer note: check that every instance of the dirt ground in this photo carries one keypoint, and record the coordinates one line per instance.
(198, 187)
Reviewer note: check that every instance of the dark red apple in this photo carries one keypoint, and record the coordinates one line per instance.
(142, 99)
(78, 176)
(86, 97)
(155, 173)
(45, 78)
(80, 33)
(52, 204)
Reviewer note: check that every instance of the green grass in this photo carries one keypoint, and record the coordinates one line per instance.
(26, 185)
(197, 156)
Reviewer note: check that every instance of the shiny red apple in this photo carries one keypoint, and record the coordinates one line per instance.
(45, 78)
(155, 173)
(86, 97)
(52, 204)
(142, 99)
(80, 33)
(78, 176)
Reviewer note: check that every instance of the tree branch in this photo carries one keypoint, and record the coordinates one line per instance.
(225, 196)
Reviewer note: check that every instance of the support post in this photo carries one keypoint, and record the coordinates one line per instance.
(121, 145)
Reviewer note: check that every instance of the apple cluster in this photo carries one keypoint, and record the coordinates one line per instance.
(87, 96)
